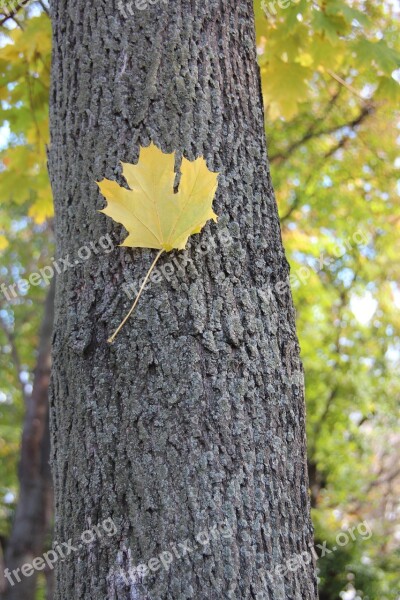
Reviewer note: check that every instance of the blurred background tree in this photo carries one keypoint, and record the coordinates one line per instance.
(330, 80)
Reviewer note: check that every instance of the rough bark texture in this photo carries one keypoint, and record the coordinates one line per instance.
(33, 515)
(195, 416)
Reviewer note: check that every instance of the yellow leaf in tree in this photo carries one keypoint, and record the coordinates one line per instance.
(42, 208)
(3, 242)
(285, 85)
(152, 213)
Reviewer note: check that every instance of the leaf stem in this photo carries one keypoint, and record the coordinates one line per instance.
(114, 335)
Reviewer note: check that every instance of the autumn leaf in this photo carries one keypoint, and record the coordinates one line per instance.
(284, 88)
(152, 213)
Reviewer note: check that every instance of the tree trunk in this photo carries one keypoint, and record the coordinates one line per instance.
(33, 515)
(192, 423)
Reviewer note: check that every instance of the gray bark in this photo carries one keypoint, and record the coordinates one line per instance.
(195, 416)
(33, 516)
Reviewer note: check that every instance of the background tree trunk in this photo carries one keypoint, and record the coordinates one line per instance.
(34, 512)
(195, 416)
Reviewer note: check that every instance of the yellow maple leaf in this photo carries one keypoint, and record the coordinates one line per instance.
(155, 216)
(150, 211)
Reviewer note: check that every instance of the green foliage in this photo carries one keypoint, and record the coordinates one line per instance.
(331, 92)
(303, 47)
(25, 232)
(24, 77)
(355, 566)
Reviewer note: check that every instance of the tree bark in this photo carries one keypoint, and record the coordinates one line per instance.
(33, 515)
(193, 421)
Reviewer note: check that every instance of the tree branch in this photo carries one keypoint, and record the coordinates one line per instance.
(13, 13)
(366, 110)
